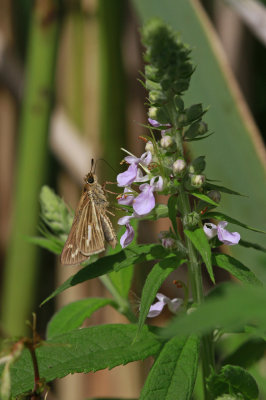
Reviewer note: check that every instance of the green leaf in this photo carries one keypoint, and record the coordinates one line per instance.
(54, 245)
(233, 380)
(154, 280)
(232, 308)
(235, 268)
(174, 372)
(172, 211)
(83, 350)
(255, 246)
(200, 241)
(223, 217)
(159, 211)
(73, 315)
(211, 186)
(103, 265)
(205, 198)
(247, 354)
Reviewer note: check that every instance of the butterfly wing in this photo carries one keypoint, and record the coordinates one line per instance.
(71, 254)
(90, 234)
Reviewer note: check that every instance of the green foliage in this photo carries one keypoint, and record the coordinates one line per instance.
(118, 261)
(247, 354)
(231, 309)
(223, 217)
(73, 315)
(235, 268)
(174, 372)
(83, 350)
(154, 280)
(200, 241)
(235, 381)
(172, 211)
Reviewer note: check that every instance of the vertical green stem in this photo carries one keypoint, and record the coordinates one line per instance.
(194, 270)
(21, 268)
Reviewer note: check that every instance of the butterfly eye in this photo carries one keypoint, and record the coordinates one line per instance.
(90, 179)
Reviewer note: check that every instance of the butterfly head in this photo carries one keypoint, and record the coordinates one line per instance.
(90, 179)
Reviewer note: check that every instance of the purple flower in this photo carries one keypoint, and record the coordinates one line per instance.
(229, 238)
(156, 124)
(129, 176)
(157, 308)
(127, 198)
(128, 236)
(145, 201)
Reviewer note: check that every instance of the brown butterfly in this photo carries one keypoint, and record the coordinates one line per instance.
(91, 226)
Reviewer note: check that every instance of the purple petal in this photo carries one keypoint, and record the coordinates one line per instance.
(154, 123)
(127, 198)
(157, 184)
(127, 177)
(161, 297)
(210, 230)
(145, 201)
(228, 238)
(156, 309)
(132, 159)
(140, 177)
(146, 158)
(124, 220)
(128, 236)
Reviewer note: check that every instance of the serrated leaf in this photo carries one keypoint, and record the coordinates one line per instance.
(72, 315)
(247, 354)
(211, 186)
(154, 280)
(235, 268)
(223, 217)
(83, 350)
(174, 372)
(172, 210)
(200, 241)
(103, 265)
(205, 198)
(233, 380)
(232, 308)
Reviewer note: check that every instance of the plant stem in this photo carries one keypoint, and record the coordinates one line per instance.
(124, 306)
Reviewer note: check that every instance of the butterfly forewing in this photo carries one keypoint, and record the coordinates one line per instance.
(90, 227)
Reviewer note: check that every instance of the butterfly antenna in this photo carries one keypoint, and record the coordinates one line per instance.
(92, 163)
(106, 162)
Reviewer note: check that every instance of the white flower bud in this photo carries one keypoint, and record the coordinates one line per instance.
(152, 112)
(179, 166)
(197, 180)
(167, 141)
(149, 147)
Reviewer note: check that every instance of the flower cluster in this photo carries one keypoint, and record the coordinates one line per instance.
(142, 202)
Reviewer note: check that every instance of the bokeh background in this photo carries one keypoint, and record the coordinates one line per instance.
(69, 93)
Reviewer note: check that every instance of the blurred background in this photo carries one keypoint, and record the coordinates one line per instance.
(69, 93)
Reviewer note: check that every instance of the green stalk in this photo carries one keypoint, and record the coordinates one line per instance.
(21, 264)
(194, 269)
(112, 80)
(124, 306)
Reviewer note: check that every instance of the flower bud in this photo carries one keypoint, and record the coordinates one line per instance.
(197, 166)
(168, 243)
(197, 180)
(179, 166)
(215, 195)
(192, 219)
(167, 141)
(149, 147)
